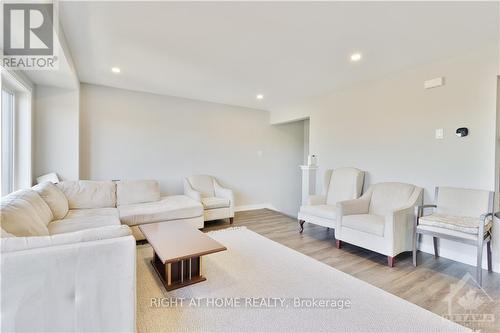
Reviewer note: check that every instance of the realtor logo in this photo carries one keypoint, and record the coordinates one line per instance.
(28, 29)
(469, 304)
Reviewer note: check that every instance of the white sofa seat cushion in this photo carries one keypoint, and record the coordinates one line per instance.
(54, 197)
(167, 208)
(27, 243)
(24, 213)
(469, 225)
(213, 202)
(74, 213)
(89, 194)
(324, 211)
(130, 192)
(81, 223)
(369, 223)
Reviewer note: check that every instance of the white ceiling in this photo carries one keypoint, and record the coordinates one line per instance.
(228, 52)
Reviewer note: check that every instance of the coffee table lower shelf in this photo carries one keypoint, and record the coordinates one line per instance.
(179, 274)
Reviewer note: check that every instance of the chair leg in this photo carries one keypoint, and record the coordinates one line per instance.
(435, 240)
(231, 220)
(301, 225)
(338, 243)
(415, 241)
(488, 253)
(390, 261)
(479, 267)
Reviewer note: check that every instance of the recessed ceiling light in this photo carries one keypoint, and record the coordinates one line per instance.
(115, 70)
(260, 96)
(356, 57)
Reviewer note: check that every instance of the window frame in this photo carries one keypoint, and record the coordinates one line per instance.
(20, 85)
(7, 178)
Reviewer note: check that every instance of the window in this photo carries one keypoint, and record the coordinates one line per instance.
(7, 141)
(16, 131)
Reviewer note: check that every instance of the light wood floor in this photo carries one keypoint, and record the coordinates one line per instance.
(426, 285)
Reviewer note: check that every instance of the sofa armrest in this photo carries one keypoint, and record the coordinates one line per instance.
(190, 192)
(399, 225)
(314, 200)
(12, 244)
(225, 193)
(354, 206)
(69, 286)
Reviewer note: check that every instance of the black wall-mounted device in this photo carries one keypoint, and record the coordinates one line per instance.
(462, 131)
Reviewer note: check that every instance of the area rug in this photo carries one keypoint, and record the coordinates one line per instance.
(258, 285)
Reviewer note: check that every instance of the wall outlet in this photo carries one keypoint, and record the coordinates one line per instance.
(439, 133)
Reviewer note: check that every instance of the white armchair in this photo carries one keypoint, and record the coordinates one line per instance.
(339, 184)
(217, 201)
(461, 215)
(381, 220)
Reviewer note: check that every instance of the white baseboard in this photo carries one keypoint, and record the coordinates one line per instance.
(254, 207)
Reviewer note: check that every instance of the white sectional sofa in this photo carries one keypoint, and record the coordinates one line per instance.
(68, 254)
(131, 202)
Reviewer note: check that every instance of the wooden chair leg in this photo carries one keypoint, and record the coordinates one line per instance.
(390, 261)
(479, 264)
(338, 243)
(231, 220)
(301, 225)
(488, 253)
(435, 240)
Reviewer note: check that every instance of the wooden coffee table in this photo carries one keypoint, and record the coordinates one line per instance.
(178, 250)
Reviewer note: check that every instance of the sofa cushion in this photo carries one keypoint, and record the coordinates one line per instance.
(89, 194)
(324, 211)
(469, 225)
(386, 197)
(54, 197)
(81, 223)
(29, 243)
(167, 208)
(130, 192)
(214, 202)
(74, 213)
(372, 224)
(24, 213)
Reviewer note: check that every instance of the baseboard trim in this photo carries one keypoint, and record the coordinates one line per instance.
(243, 208)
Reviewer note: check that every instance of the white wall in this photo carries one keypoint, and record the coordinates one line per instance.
(134, 135)
(56, 132)
(386, 127)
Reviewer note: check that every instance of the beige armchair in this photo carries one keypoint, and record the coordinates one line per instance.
(461, 215)
(381, 220)
(217, 201)
(339, 184)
